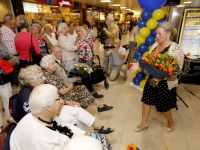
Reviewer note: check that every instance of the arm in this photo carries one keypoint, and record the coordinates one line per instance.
(106, 53)
(121, 55)
(66, 44)
(112, 34)
(44, 37)
(35, 44)
(4, 54)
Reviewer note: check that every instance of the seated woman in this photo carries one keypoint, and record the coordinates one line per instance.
(68, 91)
(41, 129)
(31, 77)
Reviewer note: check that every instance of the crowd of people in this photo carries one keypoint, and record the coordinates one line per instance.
(51, 101)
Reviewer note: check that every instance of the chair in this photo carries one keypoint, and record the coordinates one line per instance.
(13, 108)
(5, 136)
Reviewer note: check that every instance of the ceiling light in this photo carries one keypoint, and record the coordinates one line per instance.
(122, 7)
(180, 6)
(127, 9)
(105, 1)
(188, 2)
(116, 5)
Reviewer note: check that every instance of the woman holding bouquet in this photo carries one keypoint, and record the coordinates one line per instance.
(163, 96)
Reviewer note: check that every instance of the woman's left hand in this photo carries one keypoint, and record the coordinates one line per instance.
(157, 80)
(73, 104)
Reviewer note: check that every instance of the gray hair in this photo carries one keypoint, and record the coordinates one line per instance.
(29, 74)
(7, 17)
(60, 27)
(110, 18)
(37, 26)
(53, 47)
(42, 96)
(80, 28)
(82, 143)
(44, 63)
(168, 27)
(47, 25)
(23, 21)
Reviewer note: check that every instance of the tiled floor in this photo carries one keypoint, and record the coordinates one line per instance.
(126, 115)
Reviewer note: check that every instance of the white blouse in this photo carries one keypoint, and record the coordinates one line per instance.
(52, 38)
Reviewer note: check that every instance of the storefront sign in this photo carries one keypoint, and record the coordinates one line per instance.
(65, 3)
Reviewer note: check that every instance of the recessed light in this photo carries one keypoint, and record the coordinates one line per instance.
(116, 5)
(122, 7)
(187, 2)
(127, 9)
(105, 1)
(180, 6)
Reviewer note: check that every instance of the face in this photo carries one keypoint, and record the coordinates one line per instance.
(34, 30)
(52, 66)
(65, 30)
(79, 32)
(47, 29)
(84, 26)
(12, 23)
(39, 79)
(108, 22)
(57, 53)
(71, 28)
(1, 35)
(57, 106)
(117, 43)
(162, 35)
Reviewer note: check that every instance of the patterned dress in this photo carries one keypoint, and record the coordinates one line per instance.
(161, 97)
(78, 94)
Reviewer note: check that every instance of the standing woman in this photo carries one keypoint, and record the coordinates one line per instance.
(89, 31)
(69, 50)
(23, 42)
(50, 35)
(72, 33)
(163, 97)
(86, 47)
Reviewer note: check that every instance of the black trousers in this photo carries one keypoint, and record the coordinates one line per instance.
(24, 63)
(87, 82)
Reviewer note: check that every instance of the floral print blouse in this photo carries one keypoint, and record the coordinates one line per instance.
(86, 49)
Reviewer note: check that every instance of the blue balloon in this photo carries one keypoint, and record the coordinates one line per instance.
(151, 5)
(141, 23)
(140, 75)
(136, 81)
(153, 33)
(138, 55)
(143, 48)
(160, 21)
(146, 15)
(150, 40)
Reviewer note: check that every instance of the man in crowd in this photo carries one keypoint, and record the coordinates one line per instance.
(113, 33)
(119, 58)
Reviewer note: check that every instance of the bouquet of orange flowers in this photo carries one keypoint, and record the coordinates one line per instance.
(132, 147)
(160, 66)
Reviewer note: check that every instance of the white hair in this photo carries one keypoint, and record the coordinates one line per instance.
(82, 143)
(80, 28)
(60, 27)
(44, 63)
(42, 96)
(110, 18)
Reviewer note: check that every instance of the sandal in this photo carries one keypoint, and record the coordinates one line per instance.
(102, 131)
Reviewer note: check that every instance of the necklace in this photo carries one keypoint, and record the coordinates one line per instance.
(47, 122)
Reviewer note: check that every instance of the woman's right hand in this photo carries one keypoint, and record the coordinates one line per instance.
(134, 67)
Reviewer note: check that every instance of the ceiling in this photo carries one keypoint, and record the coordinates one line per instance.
(131, 4)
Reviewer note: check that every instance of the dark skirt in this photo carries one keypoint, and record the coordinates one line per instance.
(161, 97)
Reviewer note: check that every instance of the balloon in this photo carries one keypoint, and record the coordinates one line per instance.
(153, 33)
(142, 83)
(140, 39)
(146, 53)
(140, 75)
(136, 81)
(160, 21)
(141, 23)
(165, 10)
(149, 47)
(146, 77)
(139, 69)
(138, 55)
(143, 48)
(158, 14)
(144, 32)
(151, 5)
(138, 45)
(150, 40)
(151, 24)
(146, 15)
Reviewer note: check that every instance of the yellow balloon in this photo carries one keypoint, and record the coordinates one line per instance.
(138, 45)
(142, 83)
(151, 24)
(149, 47)
(164, 9)
(146, 53)
(139, 69)
(158, 14)
(146, 77)
(140, 39)
(144, 32)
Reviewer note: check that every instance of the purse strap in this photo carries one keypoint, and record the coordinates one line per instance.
(67, 72)
(30, 53)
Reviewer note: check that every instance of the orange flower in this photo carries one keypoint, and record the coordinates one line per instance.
(131, 147)
(168, 60)
(156, 55)
(144, 59)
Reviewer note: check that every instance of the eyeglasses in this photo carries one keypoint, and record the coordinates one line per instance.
(58, 99)
(42, 77)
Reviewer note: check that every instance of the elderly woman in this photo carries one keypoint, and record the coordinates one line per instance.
(44, 129)
(72, 33)
(89, 31)
(86, 47)
(69, 50)
(23, 42)
(31, 77)
(68, 91)
(49, 33)
(164, 95)
(42, 40)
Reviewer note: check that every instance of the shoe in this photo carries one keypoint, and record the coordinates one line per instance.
(102, 131)
(138, 130)
(96, 95)
(105, 108)
(169, 129)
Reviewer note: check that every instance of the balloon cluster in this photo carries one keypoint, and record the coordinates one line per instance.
(152, 16)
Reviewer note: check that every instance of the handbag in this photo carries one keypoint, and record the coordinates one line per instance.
(6, 66)
(4, 79)
(33, 55)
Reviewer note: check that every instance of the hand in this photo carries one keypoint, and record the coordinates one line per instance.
(13, 61)
(134, 67)
(78, 78)
(43, 37)
(69, 84)
(157, 80)
(70, 103)
(104, 29)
